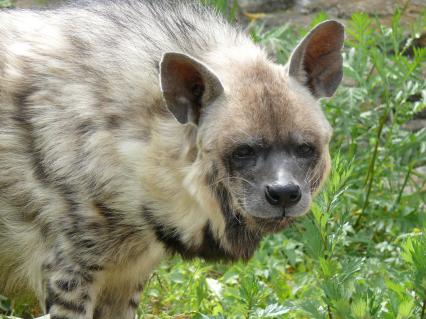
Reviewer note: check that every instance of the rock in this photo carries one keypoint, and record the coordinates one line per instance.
(302, 12)
(264, 5)
(415, 125)
(421, 115)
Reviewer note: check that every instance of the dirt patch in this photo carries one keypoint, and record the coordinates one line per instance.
(301, 12)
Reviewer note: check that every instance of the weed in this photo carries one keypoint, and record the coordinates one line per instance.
(5, 3)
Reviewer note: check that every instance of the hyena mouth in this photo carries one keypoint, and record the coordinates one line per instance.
(273, 224)
(236, 216)
(284, 217)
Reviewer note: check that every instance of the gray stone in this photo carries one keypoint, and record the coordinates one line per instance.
(415, 125)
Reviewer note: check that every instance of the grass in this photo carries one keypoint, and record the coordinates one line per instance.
(5, 4)
(361, 253)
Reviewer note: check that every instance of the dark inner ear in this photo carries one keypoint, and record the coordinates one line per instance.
(185, 88)
(188, 77)
(317, 61)
(323, 61)
(197, 90)
(187, 85)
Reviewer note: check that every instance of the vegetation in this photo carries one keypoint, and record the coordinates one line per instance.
(5, 3)
(361, 253)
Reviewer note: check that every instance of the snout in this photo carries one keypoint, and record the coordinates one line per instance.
(283, 195)
(276, 200)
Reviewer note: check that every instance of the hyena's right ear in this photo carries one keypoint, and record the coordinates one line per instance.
(317, 60)
(187, 86)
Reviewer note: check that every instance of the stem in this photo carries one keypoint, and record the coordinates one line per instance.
(370, 73)
(423, 309)
(371, 168)
(404, 184)
(158, 280)
(330, 315)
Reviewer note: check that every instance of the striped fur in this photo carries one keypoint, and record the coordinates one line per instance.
(98, 181)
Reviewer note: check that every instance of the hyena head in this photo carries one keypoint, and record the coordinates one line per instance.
(260, 129)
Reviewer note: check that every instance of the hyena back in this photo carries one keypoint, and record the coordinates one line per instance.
(131, 130)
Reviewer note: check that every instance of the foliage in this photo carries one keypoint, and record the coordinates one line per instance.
(5, 3)
(5, 305)
(229, 8)
(361, 253)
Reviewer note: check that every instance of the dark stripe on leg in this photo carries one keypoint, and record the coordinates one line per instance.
(55, 300)
(66, 285)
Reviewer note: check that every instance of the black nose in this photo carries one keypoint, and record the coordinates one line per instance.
(283, 195)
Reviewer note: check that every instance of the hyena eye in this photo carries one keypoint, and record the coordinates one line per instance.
(244, 152)
(305, 150)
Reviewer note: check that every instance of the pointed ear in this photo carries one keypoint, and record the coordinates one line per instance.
(187, 86)
(317, 60)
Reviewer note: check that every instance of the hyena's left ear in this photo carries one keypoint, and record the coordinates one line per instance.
(317, 60)
(187, 86)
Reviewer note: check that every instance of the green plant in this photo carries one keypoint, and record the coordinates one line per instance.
(5, 305)
(229, 8)
(5, 3)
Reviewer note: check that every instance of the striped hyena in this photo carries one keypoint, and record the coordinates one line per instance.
(130, 130)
